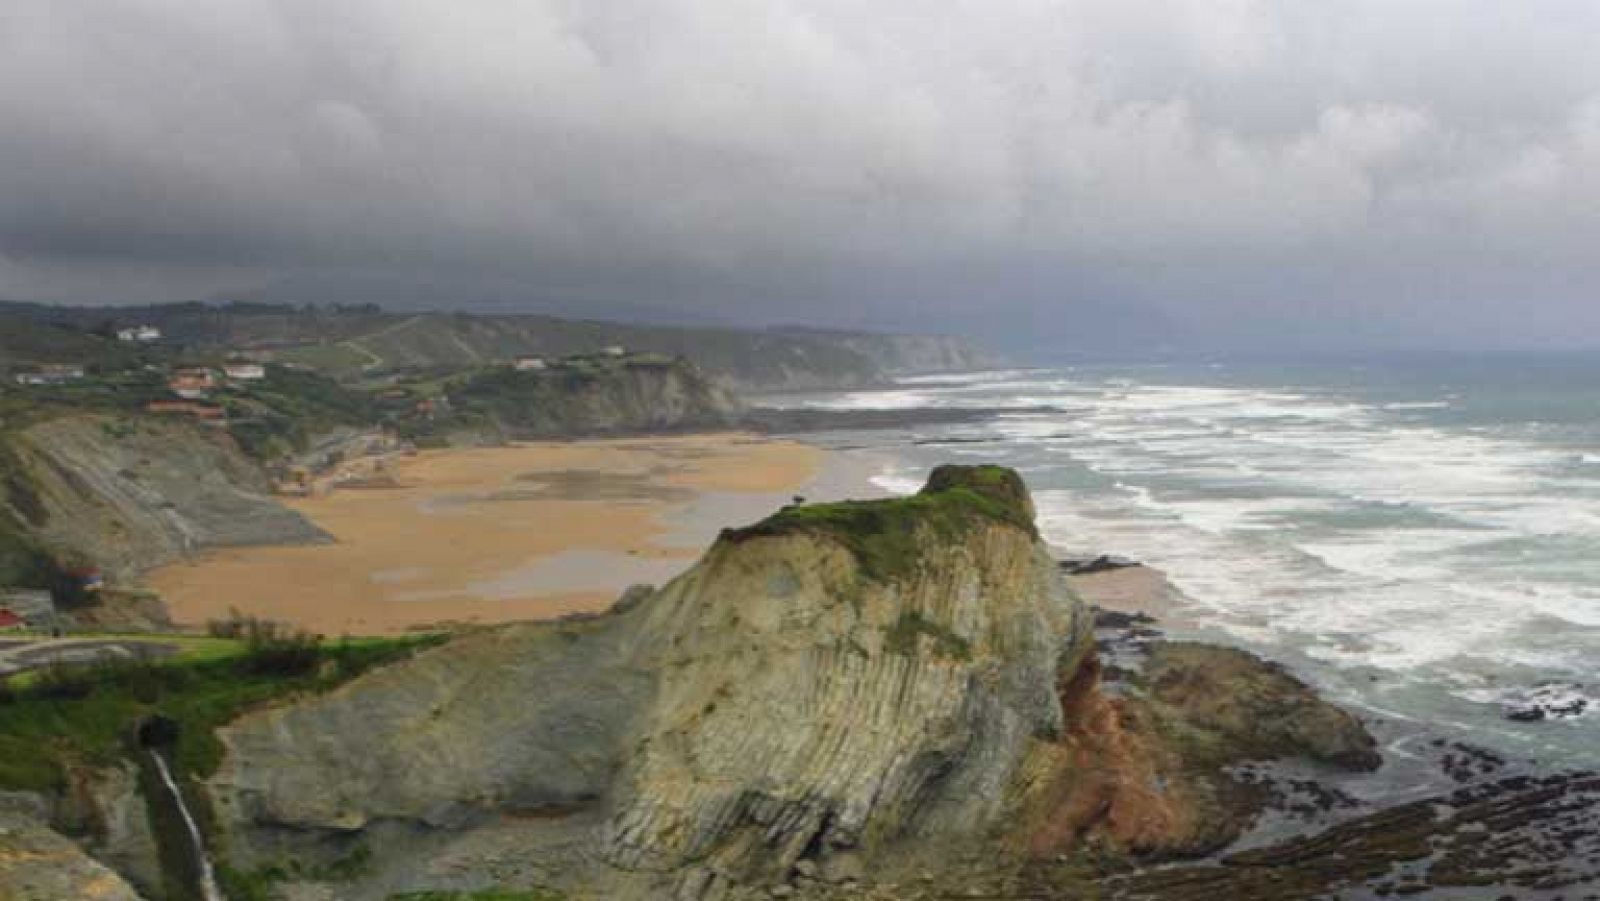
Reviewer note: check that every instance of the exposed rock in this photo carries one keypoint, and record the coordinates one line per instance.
(832, 695)
(592, 396)
(1520, 837)
(1100, 564)
(37, 864)
(129, 493)
(820, 691)
(1552, 700)
(123, 839)
(528, 719)
(1256, 708)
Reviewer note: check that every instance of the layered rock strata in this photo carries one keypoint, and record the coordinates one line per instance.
(836, 690)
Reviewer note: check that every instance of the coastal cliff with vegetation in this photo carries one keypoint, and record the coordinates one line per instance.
(123, 493)
(898, 700)
(351, 342)
(838, 695)
(585, 396)
(112, 474)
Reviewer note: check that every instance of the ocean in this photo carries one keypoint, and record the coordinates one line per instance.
(1418, 538)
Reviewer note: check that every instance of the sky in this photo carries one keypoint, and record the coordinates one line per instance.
(1234, 173)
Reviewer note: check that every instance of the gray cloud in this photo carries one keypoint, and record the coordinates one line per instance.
(1351, 167)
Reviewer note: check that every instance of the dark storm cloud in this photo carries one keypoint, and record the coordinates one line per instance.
(1375, 163)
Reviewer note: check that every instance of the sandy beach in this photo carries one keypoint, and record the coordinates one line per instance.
(487, 535)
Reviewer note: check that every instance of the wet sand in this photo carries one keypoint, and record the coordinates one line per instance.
(487, 535)
(1134, 589)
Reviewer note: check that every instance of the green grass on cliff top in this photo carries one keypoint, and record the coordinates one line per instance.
(883, 534)
(46, 733)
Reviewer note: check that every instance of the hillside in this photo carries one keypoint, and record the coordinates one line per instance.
(584, 396)
(126, 493)
(349, 341)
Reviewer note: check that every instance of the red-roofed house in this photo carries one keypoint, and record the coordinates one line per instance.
(10, 621)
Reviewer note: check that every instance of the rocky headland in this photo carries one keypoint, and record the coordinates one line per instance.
(901, 699)
(845, 694)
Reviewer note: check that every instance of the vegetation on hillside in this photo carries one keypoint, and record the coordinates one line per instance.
(883, 534)
(67, 717)
(281, 414)
(574, 396)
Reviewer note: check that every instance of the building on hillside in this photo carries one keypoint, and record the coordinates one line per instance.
(531, 364)
(245, 372)
(11, 621)
(139, 334)
(192, 383)
(50, 375)
(36, 607)
(614, 350)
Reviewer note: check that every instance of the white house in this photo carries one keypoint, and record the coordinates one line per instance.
(139, 334)
(531, 364)
(245, 372)
(614, 350)
(50, 375)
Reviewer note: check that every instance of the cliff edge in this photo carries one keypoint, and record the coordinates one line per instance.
(836, 690)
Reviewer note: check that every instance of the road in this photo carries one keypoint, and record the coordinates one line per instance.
(20, 655)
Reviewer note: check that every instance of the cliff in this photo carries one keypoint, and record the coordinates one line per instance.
(836, 691)
(586, 396)
(37, 864)
(126, 493)
(906, 354)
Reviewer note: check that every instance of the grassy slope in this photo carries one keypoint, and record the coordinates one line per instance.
(884, 534)
(453, 340)
(44, 735)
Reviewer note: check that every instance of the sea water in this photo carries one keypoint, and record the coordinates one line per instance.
(1417, 537)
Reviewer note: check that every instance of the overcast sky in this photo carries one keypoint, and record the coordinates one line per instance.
(1339, 172)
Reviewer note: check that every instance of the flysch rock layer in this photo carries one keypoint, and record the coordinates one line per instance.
(833, 689)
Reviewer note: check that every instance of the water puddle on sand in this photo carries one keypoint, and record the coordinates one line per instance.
(570, 571)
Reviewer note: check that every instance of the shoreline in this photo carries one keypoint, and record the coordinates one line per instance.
(534, 530)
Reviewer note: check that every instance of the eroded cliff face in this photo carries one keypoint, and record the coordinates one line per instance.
(38, 864)
(841, 688)
(594, 396)
(810, 705)
(129, 493)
